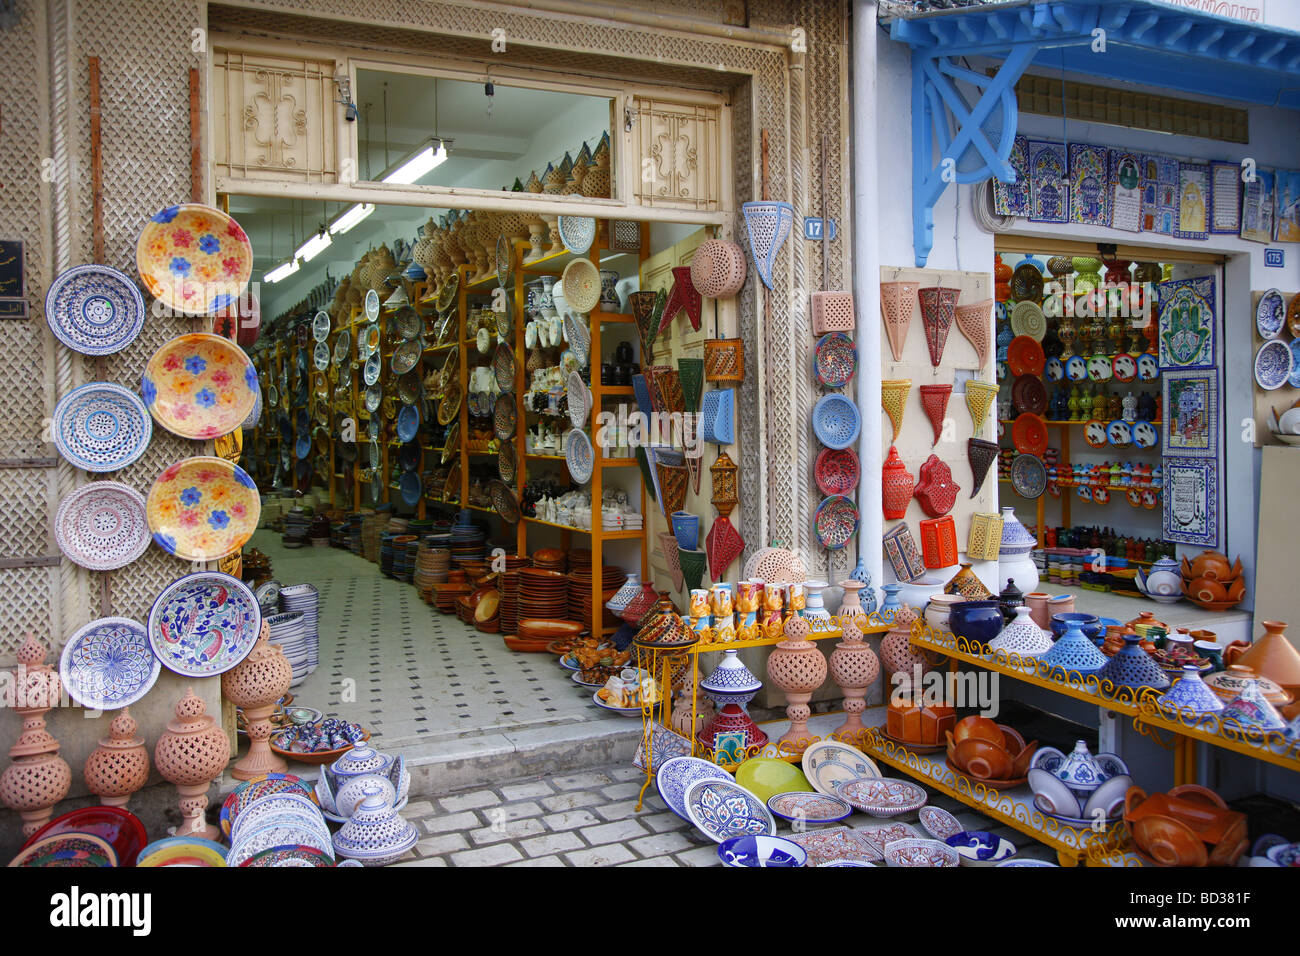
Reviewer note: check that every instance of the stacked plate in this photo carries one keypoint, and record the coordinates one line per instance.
(580, 593)
(467, 541)
(274, 821)
(297, 524)
(404, 546)
(305, 600)
(509, 588)
(551, 559)
(290, 633)
(543, 594)
(431, 566)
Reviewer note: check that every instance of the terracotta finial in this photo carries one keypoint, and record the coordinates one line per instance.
(119, 766)
(33, 651)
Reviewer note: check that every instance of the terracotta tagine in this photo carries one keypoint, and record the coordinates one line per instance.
(854, 667)
(119, 766)
(1272, 656)
(256, 685)
(38, 778)
(798, 668)
(190, 754)
(1233, 679)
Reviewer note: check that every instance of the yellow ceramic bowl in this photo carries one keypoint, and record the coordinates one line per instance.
(765, 777)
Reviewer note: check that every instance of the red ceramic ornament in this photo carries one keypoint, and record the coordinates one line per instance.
(936, 490)
(683, 295)
(939, 542)
(938, 306)
(898, 485)
(934, 401)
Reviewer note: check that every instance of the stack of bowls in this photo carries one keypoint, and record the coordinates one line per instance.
(304, 599)
(467, 540)
(274, 814)
(290, 633)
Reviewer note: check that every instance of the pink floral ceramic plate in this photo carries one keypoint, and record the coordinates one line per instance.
(193, 258)
(203, 509)
(881, 796)
(200, 386)
(836, 844)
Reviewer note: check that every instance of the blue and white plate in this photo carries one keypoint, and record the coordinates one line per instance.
(761, 851)
(1273, 364)
(203, 624)
(722, 809)
(1145, 434)
(109, 664)
(1076, 369)
(1148, 367)
(1270, 314)
(1055, 369)
(408, 423)
(94, 309)
(101, 427)
(981, 848)
(302, 447)
(1294, 379)
(676, 775)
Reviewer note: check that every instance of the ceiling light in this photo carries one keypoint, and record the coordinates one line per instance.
(419, 165)
(282, 271)
(350, 218)
(313, 247)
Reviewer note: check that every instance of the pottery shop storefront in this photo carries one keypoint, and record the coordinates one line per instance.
(1121, 344)
(455, 271)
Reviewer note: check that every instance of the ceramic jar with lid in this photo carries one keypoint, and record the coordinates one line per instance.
(1073, 655)
(1162, 581)
(1022, 636)
(1010, 599)
(1272, 656)
(1014, 558)
(1189, 698)
(1132, 668)
(375, 834)
(967, 583)
(1232, 680)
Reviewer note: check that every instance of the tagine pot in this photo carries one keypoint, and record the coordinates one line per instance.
(1272, 656)
(798, 668)
(1015, 560)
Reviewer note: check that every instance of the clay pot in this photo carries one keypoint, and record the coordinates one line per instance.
(981, 728)
(1038, 608)
(1188, 826)
(978, 622)
(981, 759)
(1272, 656)
(909, 719)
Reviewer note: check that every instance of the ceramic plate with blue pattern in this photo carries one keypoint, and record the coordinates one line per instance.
(109, 664)
(722, 809)
(676, 775)
(101, 427)
(1273, 364)
(203, 624)
(1294, 346)
(94, 309)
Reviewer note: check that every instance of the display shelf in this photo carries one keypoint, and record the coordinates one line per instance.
(607, 535)
(612, 389)
(546, 457)
(1077, 421)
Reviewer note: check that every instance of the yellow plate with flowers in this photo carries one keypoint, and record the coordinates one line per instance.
(194, 259)
(203, 509)
(200, 386)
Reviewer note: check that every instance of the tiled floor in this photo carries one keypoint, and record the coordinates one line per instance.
(410, 675)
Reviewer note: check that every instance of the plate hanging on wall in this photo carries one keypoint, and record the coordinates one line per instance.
(94, 309)
(109, 664)
(101, 427)
(204, 624)
(194, 259)
(199, 385)
(203, 509)
(102, 526)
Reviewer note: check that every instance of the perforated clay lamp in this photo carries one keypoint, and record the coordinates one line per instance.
(38, 778)
(798, 668)
(854, 667)
(119, 766)
(190, 754)
(256, 685)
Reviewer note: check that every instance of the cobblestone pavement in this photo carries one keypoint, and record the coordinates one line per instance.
(588, 819)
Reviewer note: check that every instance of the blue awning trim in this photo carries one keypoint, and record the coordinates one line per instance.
(1146, 42)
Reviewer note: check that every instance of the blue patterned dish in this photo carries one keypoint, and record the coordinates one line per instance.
(203, 624)
(759, 851)
(1294, 379)
(722, 809)
(101, 427)
(1270, 314)
(108, 664)
(981, 848)
(1273, 364)
(677, 774)
(836, 421)
(408, 423)
(94, 309)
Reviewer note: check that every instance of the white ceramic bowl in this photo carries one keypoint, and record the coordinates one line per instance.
(1290, 421)
(1109, 797)
(1052, 796)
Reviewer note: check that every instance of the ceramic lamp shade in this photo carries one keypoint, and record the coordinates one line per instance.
(974, 320)
(897, 305)
(855, 668)
(38, 778)
(898, 484)
(119, 766)
(668, 543)
(904, 557)
(797, 667)
(985, 537)
(981, 454)
(190, 754)
(939, 542)
(937, 311)
(979, 398)
(934, 401)
(682, 296)
(936, 491)
(893, 399)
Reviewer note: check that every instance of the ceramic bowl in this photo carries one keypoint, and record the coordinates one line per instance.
(982, 759)
(1109, 797)
(976, 621)
(1088, 623)
(1051, 795)
(1206, 589)
(761, 851)
(981, 848)
(916, 852)
(765, 777)
(980, 727)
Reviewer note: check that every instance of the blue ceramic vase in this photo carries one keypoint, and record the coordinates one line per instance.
(890, 606)
(977, 621)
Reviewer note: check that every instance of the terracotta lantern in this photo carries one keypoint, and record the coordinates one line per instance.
(256, 685)
(193, 751)
(896, 649)
(854, 667)
(38, 778)
(798, 668)
(119, 766)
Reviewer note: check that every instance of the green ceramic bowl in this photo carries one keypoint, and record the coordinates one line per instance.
(765, 777)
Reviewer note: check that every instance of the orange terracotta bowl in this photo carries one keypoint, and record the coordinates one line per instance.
(982, 759)
(980, 727)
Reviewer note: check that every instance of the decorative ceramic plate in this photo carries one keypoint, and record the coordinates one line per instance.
(68, 850)
(836, 845)
(101, 427)
(203, 509)
(1027, 283)
(722, 809)
(802, 807)
(1076, 368)
(320, 356)
(1094, 433)
(828, 762)
(579, 455)
(882, 796)
(504, 252)
(1029, 394)
(108, 664)
(406, 356)
(761, 851)
(881, 836)
(503, 367)
(1148, 367)
(276, 833)
(1124, 367)
(1029, 434)
(94, 309)
(373, 453)
(577, 233)
(320, 326)
(103, 525)
(505, 417)
(372, 305)
(342, 345)
(1273, 364)
(246, 793)
(1270, 314)
(835, 360)
(182, 851)
(1293, 315)
(1027, 319)
(1100, 368)
(288, 854)
(939, 823)
(676, 775)
(203, 624)
(408, 423)
(374, 366)
(1119, 433)
(1145, 434)
(920, 853)
(194, 258)
(1054, 369)
(1028, 476)
(581, 285)
(1025, 356)
(200, 385)
(373, 397)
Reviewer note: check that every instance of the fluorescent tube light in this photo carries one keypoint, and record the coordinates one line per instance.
(313, 247)
(419, 165)
(282, 271)
(350, 218)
